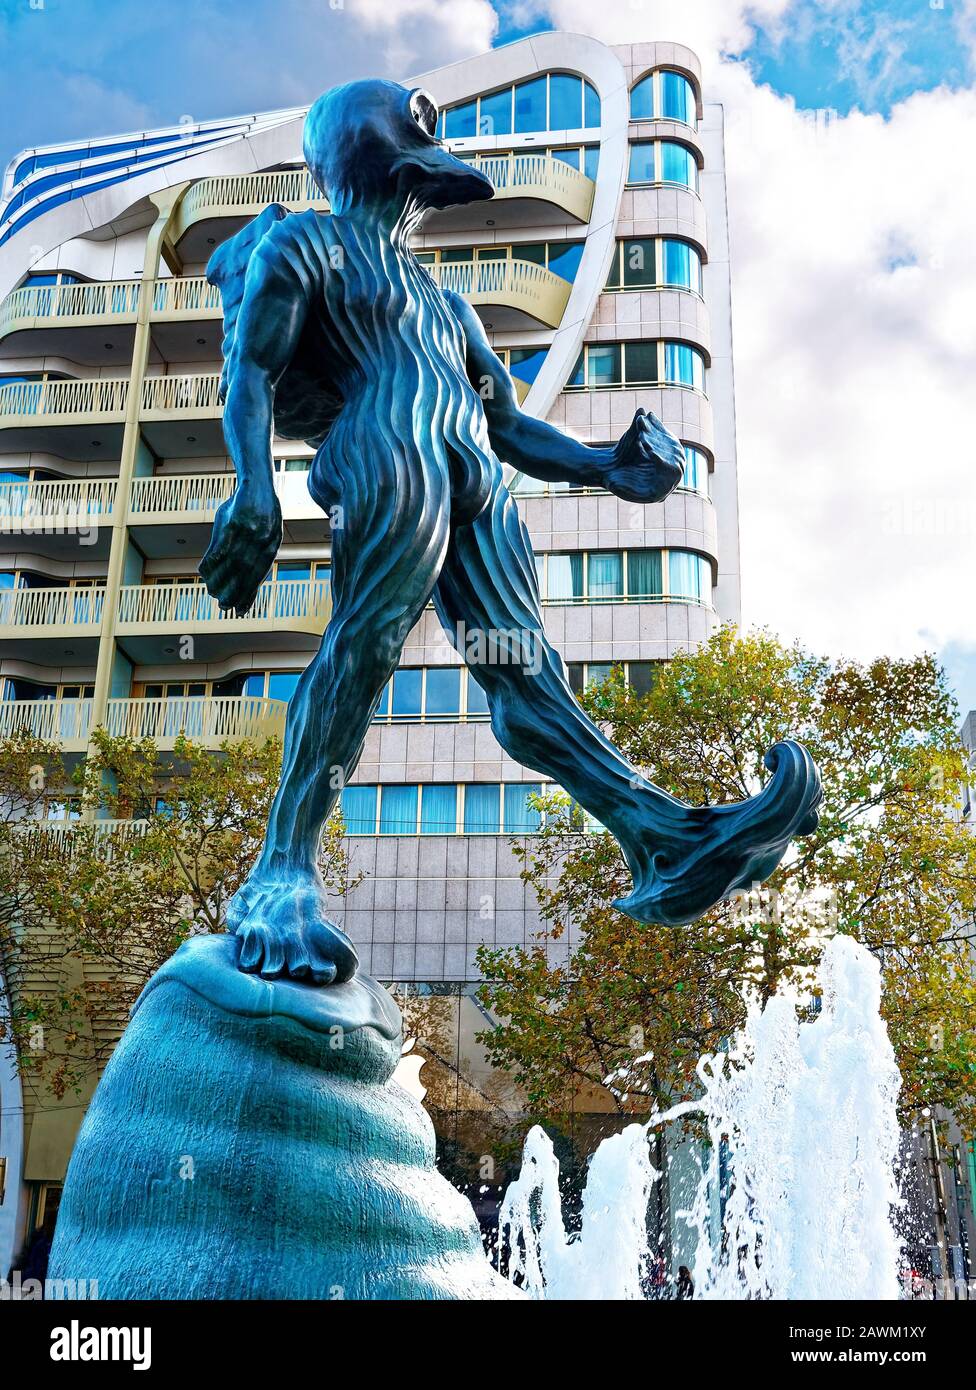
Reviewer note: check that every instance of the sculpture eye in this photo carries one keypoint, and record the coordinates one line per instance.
(424, 110)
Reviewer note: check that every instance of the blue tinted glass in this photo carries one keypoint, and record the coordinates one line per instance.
(696, 470)
(576, 376)
(688, 575)
(642, 100)
(461, 121)
(564, 259)
(383, 707)
(254, 683)
(571, 157)
(605, 574)
(496, 114)
(530, 105)
(525, 362)
(678, 165)
(477, 701)
(677, 98)
(359, 810)
(684, 365)
(604, 364)
(443, 691)
(681, 265)
(565, 102)
(281, 684)
(481, 808)
(591, 160)
(520, 818)
(641, 162)
(406, 693)
(438, 809)
(591, 106)
(398, 811)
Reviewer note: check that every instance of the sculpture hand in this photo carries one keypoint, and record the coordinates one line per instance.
(648, 462)
(246, 536)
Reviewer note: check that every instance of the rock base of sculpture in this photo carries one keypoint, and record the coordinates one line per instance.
(247, 1142)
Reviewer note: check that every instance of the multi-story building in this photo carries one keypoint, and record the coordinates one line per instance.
(601, 271)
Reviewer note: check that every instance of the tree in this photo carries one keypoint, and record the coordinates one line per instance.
(889, 864)
(91, 909)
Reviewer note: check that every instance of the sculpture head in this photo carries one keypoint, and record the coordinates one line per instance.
(374, 142)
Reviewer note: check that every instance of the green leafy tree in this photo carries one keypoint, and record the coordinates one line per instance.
(890, 864)
(92, 908)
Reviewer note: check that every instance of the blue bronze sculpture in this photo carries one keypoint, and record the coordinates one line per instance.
(248, 1138)
(335, 334)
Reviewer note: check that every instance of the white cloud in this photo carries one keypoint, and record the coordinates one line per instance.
(853, 285)
(415, 28)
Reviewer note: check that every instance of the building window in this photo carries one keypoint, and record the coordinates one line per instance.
(551, 101)
(561, 257)
(441, 808)
(643, 363)
(431, 695)
(662, 161)
(655, 262)
(620, 576)
(638, 675)
(664, 95)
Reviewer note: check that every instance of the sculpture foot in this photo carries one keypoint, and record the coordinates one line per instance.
(714, 851)
(285, 930)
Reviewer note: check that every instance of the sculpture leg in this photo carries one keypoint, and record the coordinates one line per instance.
(385, 559)
(683, 859)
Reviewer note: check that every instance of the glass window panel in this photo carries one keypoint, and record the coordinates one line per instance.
(638, 258)
(678, 165)
(564, 258)
(597, 672)
(640, 677)
(534, 251)
(641, 162)
(520, 817)
(684, 365)
(605, 574)
(603, 364)
(641, 361)
(292, 570)
(481, 808)
(460, 122)
(565, 576)
(677, 98)
(477, 700)
(570, 157)
(526, 362)
(642, 99)
(406, 693)
(591, 160)
(577, 376)
(530, 105)
(438, 809)
(644, 574)
(496, 114)
(565, 101)
(383, 708)
(682, 265)
(696, 470)
(687, 575)
(574, 674)
(398, 810)
(443, 692)
(359, 810)
(282, 684)
(591, 106)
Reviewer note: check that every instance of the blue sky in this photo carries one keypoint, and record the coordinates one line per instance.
(837, 434)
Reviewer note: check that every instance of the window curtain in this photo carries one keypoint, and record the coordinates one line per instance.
(481, 808)
(644, 573)
(359, 810)
(438, 809)
(398, 811)
(565, 576)
(520, 818)
(605, 575)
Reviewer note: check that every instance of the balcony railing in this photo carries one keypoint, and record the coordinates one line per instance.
(208, 720)
(181, 607)
(27, 402)
(181, 395)
(30, 610)
(186, 296)
(243, 194)
(539, 176)
(515, 283)
(197, 495)
(41, 505)
(99, 301)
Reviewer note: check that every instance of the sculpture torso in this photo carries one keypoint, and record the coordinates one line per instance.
(382, 336)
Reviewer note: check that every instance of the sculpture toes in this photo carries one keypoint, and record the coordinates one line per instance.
(307, 963)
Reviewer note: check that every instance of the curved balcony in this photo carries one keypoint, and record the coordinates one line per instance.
(530, 190)
(212, 209)
(650, 209)
(59, 622)
(58, 514)
(34, 320)
(207, 720)
(153, 619)
(519, 293)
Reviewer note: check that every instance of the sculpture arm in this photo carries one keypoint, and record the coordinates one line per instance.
(645, 465)
(247, 527)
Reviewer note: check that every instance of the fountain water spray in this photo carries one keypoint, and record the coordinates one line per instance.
(807, 1107)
